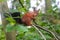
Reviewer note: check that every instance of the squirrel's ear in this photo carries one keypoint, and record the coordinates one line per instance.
(34, 8)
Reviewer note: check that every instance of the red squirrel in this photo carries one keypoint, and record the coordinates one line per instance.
(29, 16)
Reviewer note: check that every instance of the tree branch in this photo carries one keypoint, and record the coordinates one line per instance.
(39, 27)
(22, 5)
(39, 32)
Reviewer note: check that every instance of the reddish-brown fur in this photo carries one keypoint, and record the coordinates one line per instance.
(28, 17)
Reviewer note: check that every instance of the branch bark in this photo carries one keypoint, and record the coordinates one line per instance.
(39, 27)
(39, 32)
(22, 5)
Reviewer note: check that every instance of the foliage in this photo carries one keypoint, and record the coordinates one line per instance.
(2, 0)
(2, 34)
(48, 21)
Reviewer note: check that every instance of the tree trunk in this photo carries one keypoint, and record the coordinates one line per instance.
(11, 35)
(47, 5)
(3, 10)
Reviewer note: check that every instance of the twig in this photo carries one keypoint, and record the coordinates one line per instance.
(39, 32)
(22, 5)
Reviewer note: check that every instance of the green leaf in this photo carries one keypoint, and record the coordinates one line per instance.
(13, 10)
(9, 28)
(11, 20)
(32, 29)
(21, 28)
